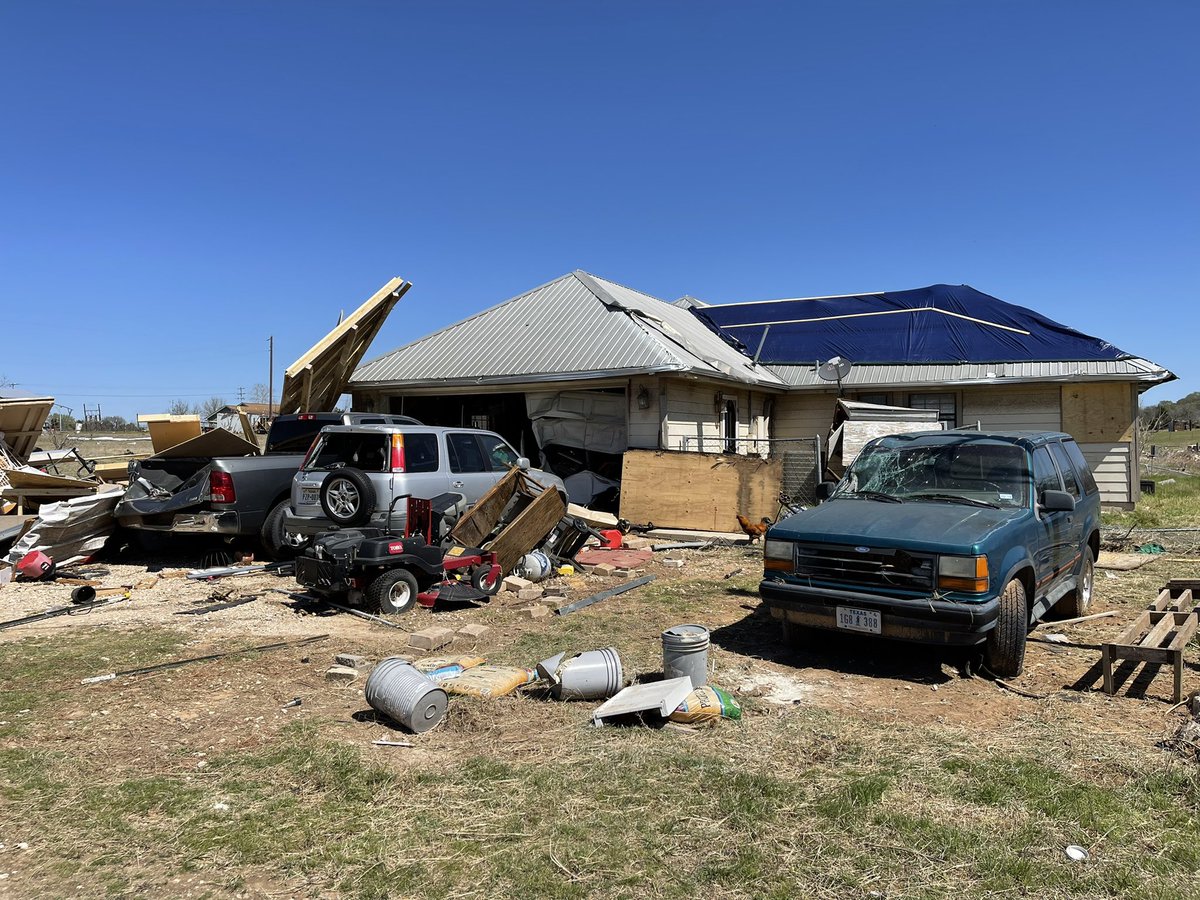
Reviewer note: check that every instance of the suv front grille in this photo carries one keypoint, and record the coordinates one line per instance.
(875, 568)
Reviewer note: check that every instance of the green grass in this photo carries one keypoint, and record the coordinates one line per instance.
(1171, 438)
(1174, 505)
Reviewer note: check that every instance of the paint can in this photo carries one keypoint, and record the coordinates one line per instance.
(594, 675)
(535, 566)
(405, 695)
(685, 653)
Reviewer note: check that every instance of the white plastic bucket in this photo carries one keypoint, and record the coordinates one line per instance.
(685, 653)
(595, 675)
(405, 695)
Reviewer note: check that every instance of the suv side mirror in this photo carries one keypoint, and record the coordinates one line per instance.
(1057, 501)
(523, 463)
(825, 490)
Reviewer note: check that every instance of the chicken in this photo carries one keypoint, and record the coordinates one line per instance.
(754, 529)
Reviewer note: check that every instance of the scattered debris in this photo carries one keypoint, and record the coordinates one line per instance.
(357, 612)
(605, 595)
(729, 575)
(341, 674)
(384, 743)
(685, 653)
(593, 675)
(294, 702)
(1158, 635)
(489, 682)
(80, 608)
(1100, 615)
(680, 545)
(405, 695)
(351, 660)
(1077, 853)
(475, 632)
(706, 705)
(537, 611)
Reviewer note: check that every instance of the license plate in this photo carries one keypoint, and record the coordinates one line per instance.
(858, 619)
(308, 496)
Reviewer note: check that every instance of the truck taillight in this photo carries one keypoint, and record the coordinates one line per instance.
(397, 453)
(220, 486)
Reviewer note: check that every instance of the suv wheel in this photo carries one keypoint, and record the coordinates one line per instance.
(1077, 602)
(279, 544)
(348, 497)
(1005, 648)
(393, 592)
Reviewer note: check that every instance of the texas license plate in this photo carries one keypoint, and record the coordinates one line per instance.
(308, 496)
(858, 619)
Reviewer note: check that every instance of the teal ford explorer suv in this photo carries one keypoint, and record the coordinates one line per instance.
(949, 537)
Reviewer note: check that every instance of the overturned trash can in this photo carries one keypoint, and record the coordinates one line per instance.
(594, 675)
(405, 695)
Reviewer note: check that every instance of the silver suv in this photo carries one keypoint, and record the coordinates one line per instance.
(353, 473)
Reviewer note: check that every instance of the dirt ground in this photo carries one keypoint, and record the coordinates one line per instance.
(874, 679)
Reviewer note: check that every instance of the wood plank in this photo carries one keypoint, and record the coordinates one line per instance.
(1160, 630)
(528, 529)
(1130, 634)
(1187, 630)
(480, 519)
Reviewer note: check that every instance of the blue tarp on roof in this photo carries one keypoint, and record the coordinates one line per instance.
(941, 323)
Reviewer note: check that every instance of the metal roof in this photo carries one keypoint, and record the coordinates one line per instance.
(950, 374)
(573, 327)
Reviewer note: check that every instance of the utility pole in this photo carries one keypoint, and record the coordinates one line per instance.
(270, 375)
(241, 396)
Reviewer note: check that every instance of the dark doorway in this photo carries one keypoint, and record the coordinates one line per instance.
(502, 413)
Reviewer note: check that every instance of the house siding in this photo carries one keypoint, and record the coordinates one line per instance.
(691, 414)
(1111, 465)
(1026, 408)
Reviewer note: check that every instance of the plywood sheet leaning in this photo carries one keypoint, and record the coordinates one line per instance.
(701, 491)
(21, 421)
(167, 430)
(1094, 413)
(314, 382)
(217, 442)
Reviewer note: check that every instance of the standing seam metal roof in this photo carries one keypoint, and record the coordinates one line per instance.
(575, 324)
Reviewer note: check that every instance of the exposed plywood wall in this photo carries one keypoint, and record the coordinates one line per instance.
(1098, 412)
(704, 491)
(1110, 464)
(1032, 407)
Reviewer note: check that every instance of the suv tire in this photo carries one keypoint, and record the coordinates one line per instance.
(393, 592)
(1005, 648)
(348, 497)
(1079, 600)
(273, 537)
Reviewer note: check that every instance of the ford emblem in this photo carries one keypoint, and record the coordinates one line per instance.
(862, 549)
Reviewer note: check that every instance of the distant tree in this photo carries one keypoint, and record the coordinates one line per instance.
(179, 408)
(259, 393)
(210, 406)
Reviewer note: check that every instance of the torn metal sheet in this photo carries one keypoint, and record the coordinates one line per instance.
(314, 382)
(71, 530)
(661, 697)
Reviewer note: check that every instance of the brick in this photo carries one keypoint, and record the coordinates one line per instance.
(341, 674)
(530, 593)
(351, 661)
(475, 632)
(604, 569)
(552, 601)
(431, 638)
(514, 584)
(673, 563)
(633, 542)
(534, 612)
(626, 573)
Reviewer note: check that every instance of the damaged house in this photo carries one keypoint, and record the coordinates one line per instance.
(582, 375)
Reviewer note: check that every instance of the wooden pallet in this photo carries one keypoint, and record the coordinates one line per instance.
(1159, 634)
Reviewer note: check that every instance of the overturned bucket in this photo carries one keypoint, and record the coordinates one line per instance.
(685, 653)
(405, 695)
(594, 675)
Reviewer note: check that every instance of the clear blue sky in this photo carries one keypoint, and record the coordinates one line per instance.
(179, 181)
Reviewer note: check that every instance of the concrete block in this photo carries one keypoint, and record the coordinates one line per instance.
(673, 563)
(475, 632)
(351, 661)
(626, 573)
(530, 593)
(341, 674)
(431, 638)
(604, 569)
(514, 584)
(552, 601)
(633, 542)
(534, 612)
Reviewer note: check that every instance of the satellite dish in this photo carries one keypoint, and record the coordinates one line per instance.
(835, 370)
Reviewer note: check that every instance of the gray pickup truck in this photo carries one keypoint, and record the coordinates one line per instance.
(230, 497)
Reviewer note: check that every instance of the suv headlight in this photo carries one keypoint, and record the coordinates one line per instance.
(963, 573)
(779, 555)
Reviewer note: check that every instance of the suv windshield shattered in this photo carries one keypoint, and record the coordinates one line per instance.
(972, 472)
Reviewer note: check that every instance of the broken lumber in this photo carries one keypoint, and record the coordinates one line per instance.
(162, 667)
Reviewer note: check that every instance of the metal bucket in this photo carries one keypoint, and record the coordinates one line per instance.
(685, 653)
(405, 695)
(535, 566)
(594, 675)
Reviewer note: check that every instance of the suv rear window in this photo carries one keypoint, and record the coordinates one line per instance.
(368, 452)
(420, 453)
